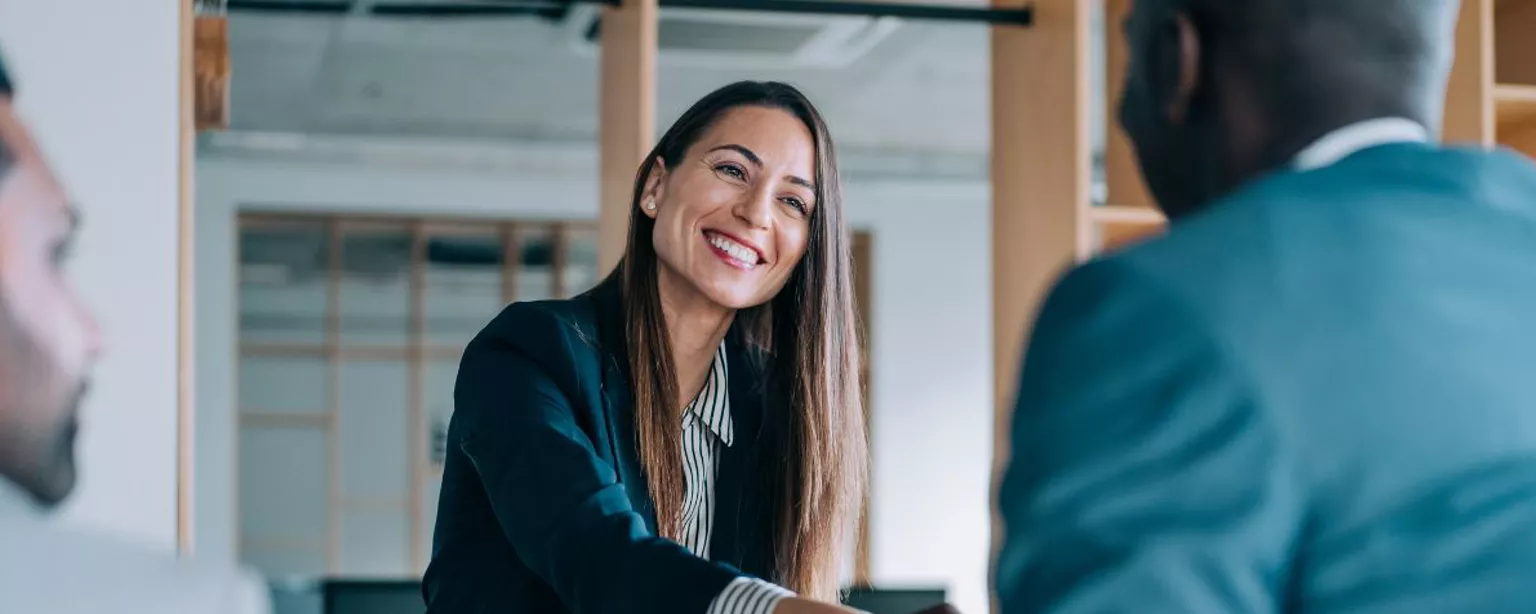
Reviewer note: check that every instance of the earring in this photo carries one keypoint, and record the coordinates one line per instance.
(650, 204)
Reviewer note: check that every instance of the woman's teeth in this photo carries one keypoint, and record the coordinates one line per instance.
(738, 252)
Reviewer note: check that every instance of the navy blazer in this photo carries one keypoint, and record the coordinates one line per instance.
(544, 507)
(1319, 395)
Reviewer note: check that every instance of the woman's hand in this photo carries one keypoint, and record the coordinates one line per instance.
(796, 605)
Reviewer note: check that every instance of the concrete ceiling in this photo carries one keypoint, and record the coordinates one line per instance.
(923, 89)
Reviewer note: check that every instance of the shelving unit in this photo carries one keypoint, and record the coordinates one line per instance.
(1491, 99)
(1492, 93)
(1515, 113)
(1115, 226)
(1514, 70)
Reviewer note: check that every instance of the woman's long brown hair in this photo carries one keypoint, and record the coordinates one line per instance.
(807, 331)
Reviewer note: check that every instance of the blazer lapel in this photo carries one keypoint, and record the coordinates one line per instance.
(742, 531)
(617, 400)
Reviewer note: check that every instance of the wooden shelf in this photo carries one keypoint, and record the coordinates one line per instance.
(1514, 104)
(1125, 215)
(1515, 110)
(1122, 225)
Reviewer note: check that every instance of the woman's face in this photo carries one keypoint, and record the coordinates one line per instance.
(733, 216)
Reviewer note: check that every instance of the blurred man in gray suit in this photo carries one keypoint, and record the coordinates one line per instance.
(48, 343)
(1317, 392)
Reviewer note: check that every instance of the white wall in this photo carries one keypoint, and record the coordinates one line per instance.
(98, 81)
(930, 335)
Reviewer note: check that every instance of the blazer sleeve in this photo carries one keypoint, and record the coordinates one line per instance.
(247, 595)
(560, 506)
(1144, 475)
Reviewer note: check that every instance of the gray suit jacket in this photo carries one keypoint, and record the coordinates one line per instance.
(49, 569)
(1317, 396)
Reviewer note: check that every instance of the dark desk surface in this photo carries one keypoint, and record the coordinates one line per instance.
(404, 597)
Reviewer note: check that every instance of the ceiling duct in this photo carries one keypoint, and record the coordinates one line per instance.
(688, 36)
(735, 39)
(550, 9)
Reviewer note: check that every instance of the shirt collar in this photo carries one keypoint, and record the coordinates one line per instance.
(713, 404)
(1355, 137)
(16, 502)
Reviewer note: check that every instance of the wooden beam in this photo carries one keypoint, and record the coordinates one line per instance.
(511, 258)
(559, 260)
(628, 117)
(185, 296)
(1469, 96)
(1041, 173)
(333, 397)
(416, 429)
(863, 295)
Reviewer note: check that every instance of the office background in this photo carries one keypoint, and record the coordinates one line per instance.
(390, 128)
(434, 120)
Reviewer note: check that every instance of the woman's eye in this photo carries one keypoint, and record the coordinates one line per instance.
(798, 204)
(731, 169)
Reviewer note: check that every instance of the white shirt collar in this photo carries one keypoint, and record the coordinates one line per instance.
(1342, 142)
(712, 406)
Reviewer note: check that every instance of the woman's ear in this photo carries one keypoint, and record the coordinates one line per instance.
(655, 189)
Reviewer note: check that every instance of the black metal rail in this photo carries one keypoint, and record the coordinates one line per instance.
(1023, 16)
(1014, 17)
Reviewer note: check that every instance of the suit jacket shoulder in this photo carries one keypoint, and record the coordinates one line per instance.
(1274, 245)
(560, 336)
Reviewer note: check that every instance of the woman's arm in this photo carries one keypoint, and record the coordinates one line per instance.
(560, 506)
(806, 606)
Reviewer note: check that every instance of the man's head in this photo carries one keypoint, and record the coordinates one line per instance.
(1219, 91)
(48, 341)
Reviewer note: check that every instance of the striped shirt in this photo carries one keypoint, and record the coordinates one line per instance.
(706, 428)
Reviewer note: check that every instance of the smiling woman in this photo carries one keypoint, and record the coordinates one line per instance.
(688, 436)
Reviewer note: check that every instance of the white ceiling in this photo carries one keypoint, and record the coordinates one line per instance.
(922, 90)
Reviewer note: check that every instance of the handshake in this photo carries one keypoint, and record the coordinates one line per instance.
(803, 606)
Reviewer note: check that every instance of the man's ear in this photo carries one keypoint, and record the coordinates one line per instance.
(1178, 66)
(655, 189)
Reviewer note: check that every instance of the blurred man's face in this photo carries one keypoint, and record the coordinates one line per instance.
(48, 341)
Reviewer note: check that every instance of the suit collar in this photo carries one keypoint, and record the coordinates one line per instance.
(15, 502)
(743, 506)
(712, 405)
(1347, 140)
(618, 401)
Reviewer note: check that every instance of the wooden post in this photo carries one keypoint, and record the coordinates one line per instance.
(627, 123)
(212, 71)
(185, 295)
(416, 426)
(863, 294)
(1041, 172)
(1469, 108)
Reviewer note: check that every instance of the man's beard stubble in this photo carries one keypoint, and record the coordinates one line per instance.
(39, 415)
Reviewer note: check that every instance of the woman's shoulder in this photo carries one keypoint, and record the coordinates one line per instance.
(543, 326)
(537, 361)
(560, 337)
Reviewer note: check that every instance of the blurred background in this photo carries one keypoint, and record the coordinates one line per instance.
(287, 288)
(393, 173)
